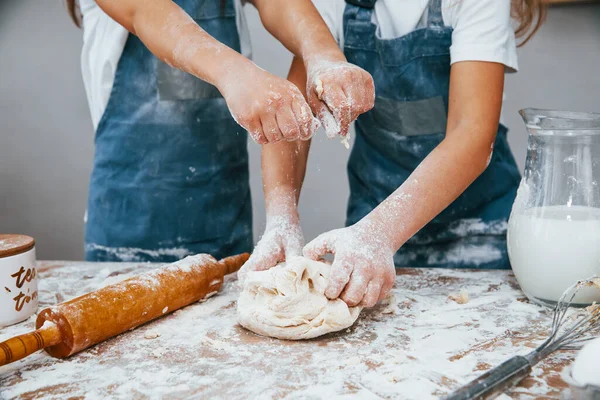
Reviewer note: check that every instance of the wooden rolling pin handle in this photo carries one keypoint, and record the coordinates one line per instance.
(234, 263)
(23, 345)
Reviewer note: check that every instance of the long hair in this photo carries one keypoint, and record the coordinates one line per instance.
(530, 14)
(74, 11)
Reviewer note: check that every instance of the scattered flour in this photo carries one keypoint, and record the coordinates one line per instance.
(396, 357)
(432, 345)
(159, 352)
(352, 361)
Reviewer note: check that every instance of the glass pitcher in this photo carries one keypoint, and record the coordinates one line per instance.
(554, 227)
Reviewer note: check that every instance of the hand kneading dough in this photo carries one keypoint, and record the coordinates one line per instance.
(288, 302)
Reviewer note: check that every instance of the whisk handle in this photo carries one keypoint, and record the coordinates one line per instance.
(495, 381)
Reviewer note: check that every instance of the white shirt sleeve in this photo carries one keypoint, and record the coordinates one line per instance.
(103, 43)
(243, 29)
(332, 12)
(482, 31)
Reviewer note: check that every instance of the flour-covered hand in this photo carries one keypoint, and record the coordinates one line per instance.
(270, 108)
(282, 239)
(363, 270)
(338, 92)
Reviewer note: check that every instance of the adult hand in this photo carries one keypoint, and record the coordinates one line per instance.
(363, 270)
(270, 108)
(338, 92)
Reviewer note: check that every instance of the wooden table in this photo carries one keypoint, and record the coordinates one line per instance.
(422, 345)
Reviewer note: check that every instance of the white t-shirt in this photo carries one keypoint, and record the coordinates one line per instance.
(103, 43)
(482, 29)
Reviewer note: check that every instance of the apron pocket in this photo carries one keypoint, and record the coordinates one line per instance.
(411, 118)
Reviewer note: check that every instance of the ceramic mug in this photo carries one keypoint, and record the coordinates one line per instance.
(18, 279)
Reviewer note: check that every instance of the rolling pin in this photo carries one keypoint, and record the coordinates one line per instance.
(75, 325)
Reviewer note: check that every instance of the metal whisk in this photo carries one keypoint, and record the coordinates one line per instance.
(569, 331)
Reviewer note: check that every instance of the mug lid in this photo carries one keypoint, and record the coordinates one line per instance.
(11, 245)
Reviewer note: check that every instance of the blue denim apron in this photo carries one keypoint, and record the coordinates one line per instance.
(412, 77)
(170, 175)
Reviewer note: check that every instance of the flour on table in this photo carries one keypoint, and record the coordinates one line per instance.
(352, 361)
(434, 345)
(396, 357)
(288, 302)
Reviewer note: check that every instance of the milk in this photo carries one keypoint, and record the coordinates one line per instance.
(551, 248)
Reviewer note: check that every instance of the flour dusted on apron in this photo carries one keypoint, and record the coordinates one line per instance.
(170, 173)
(412, 78)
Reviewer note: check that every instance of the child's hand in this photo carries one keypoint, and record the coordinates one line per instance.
(338, 92)
(282, 239)
(363, 270)
(270, 108)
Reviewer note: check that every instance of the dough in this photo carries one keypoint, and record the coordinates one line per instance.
(151, 334)
(319, 89)
(288, 302)
(461, 298)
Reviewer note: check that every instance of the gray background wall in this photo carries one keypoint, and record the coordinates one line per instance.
(46, 137)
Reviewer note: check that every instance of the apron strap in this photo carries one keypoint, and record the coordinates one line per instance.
(362, 10)
(434, 14)
(362, 3)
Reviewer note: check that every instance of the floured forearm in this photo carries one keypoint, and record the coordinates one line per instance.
(434, 185)
(284, 163)
(175, 38)
(475, 101)
(283, 166)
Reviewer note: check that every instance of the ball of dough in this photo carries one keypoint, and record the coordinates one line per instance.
(288, 302)
(585, 366)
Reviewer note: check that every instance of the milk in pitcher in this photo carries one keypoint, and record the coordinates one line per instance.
(553, 247)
